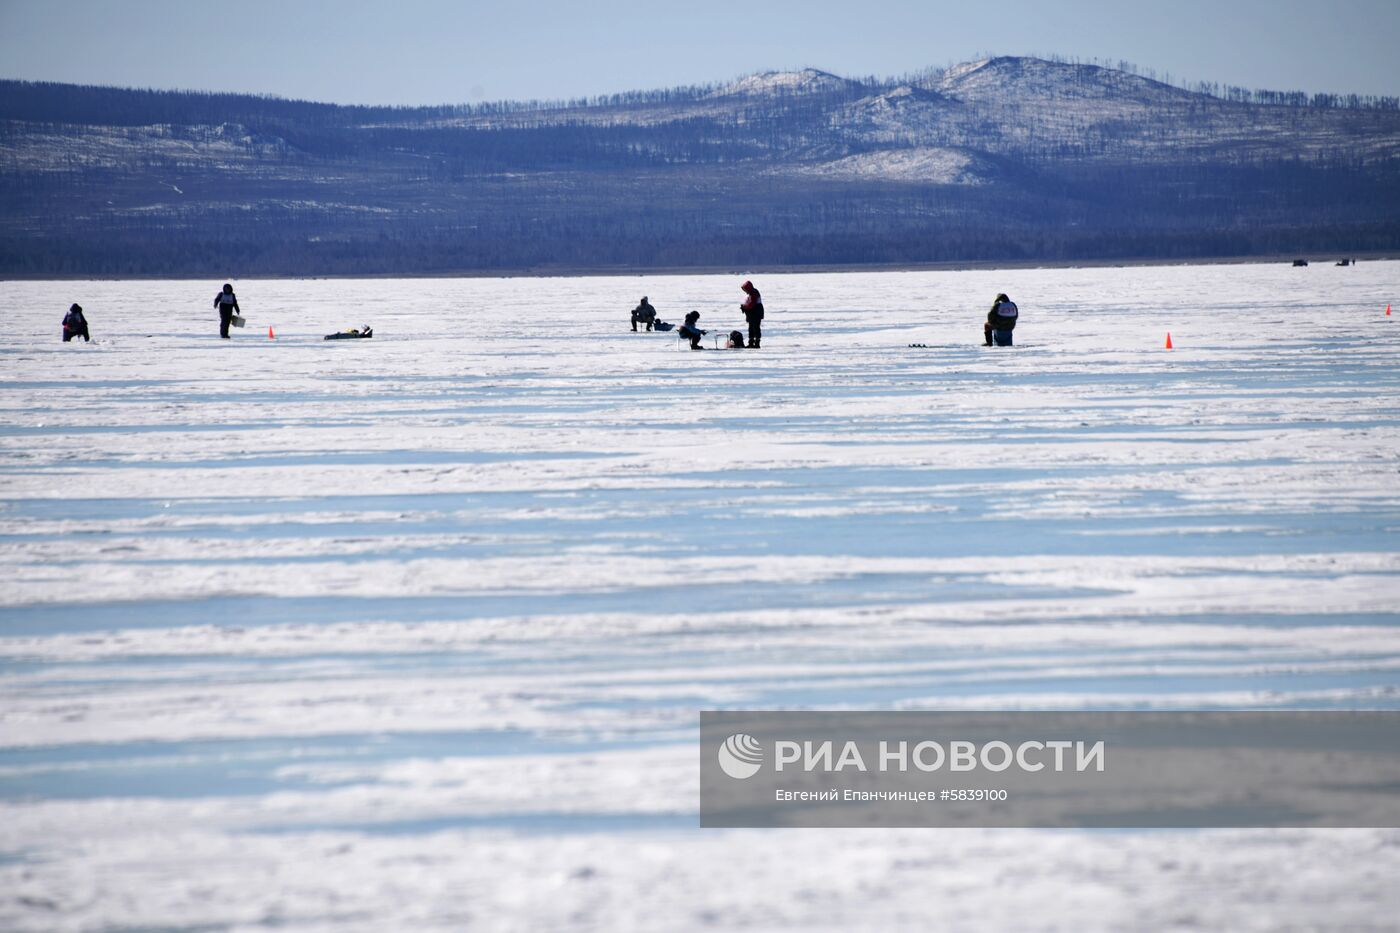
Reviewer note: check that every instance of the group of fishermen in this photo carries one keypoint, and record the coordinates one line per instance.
(1001, 320)
(752, 309)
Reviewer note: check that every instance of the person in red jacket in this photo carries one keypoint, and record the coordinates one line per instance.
(753, 313)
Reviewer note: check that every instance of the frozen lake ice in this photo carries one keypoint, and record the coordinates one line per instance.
(414, 630)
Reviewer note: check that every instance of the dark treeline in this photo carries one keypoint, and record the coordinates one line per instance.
(54, 103)
(1243, 95)
(544, 223)
(419, 252)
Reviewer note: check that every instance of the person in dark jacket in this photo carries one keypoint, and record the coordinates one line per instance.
(753, 313)
(1001, 321)
(75, 325)
(228, 307)
(691, 331)
(644, 313)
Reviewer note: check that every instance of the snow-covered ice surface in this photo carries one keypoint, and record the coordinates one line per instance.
(412, 632)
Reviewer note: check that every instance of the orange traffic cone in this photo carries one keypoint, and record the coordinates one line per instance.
(1169, 340)
(270, 334)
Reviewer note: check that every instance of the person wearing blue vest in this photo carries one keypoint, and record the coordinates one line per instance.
(691, 331)
(1001, 321)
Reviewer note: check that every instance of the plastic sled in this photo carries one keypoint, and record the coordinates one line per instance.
(351, 334)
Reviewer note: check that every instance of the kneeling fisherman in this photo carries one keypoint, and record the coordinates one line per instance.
(1001, 321)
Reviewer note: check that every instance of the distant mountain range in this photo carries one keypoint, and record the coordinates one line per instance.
(1005, 159)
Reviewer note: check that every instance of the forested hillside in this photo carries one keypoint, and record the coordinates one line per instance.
(998, 160)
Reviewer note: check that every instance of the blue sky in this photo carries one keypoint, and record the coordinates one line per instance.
(434, 51)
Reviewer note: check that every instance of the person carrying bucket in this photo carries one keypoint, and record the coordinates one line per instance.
(228, 307)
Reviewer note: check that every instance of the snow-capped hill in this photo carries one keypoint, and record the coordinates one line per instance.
(957, 73)
(1035, 78)
(907, 94)
(903, 116)
(784, 83)
(927, 165)
(902, 102)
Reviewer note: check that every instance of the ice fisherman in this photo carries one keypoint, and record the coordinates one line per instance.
(1001, 321)
(644, 313)
(228, 307)
(735, 341)
(75, 325)
(691, 331)
(753, 313)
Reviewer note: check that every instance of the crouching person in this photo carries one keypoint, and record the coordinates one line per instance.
(691, 331)
(75, 325)
(1001, 321)
(735, 341)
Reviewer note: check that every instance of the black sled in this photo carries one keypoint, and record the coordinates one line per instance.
(360, 334)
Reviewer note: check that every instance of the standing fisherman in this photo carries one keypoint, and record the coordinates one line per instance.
(753, 313)
(228, 307)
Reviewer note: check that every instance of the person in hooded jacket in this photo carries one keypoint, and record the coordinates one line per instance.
(691, 331)
(228, 307)
(1001, 321)
(644, 313)
(75, 325)
(753, 313)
